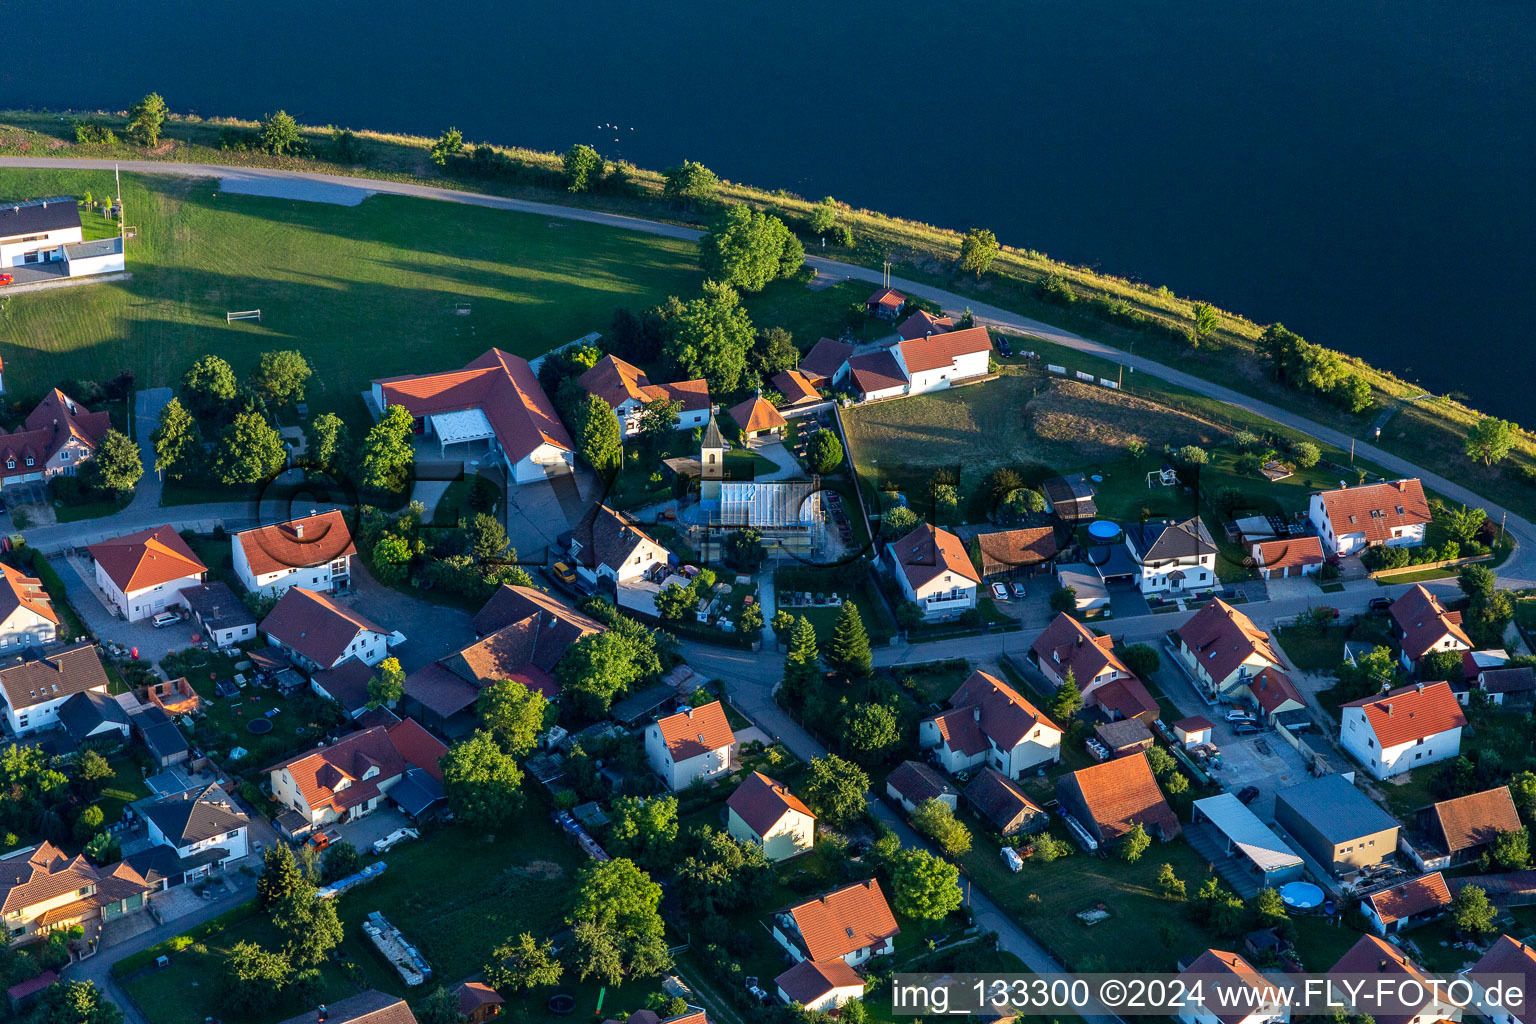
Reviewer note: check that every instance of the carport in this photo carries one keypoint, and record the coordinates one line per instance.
(464, 426)
(1250, 855)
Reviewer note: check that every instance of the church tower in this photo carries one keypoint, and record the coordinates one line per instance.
(712, 451)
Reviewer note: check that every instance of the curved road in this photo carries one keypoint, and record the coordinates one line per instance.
(1518, 571)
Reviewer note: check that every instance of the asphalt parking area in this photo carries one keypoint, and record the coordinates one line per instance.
(1264, 760)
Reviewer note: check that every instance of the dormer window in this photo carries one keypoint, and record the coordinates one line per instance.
(10, 463)
(30, 460)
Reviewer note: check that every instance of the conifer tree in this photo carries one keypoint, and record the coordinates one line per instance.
(848, 652)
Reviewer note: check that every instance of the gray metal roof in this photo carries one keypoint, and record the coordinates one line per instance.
(96, 247)
(1338, 810)
(1247, 832)
(34, 215)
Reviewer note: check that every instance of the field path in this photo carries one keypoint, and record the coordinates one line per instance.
(1518, 571)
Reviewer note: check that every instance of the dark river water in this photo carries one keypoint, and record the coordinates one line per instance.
(1362, 171)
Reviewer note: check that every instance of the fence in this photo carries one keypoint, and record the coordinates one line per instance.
(1425, 566)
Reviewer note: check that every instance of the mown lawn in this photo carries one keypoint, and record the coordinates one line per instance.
(125, 786)
(366, 291)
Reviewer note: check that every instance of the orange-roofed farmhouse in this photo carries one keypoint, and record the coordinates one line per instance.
(495, 402)
(694, 743)
(314, 552)
(764, 813)
(989, 722)
(1352, 519)
(1403, 729)
(850, 924)
(144, 573)
(627, 390)
(934, 572)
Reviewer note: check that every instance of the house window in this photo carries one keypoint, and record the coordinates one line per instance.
(30, 460)
(10, 463)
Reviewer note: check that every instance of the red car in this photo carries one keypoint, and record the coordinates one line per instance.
(5, 279)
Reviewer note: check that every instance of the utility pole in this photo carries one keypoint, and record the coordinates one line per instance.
(1351, 451)
(122, 215)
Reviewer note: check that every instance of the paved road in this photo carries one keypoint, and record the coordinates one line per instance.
(1519, 571)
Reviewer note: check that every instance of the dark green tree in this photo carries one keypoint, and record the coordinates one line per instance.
(1134, 843)
(622, 903)
(746, 248)
(709, 337)
(117, 465)
(644, 829)
(1141, 659)
(280, 134)
(597, 433)
(1067, 702)
(178, 442)
(689, 185)
(513, 714)
(387, 454)
(935, 819)
(596, 670)
(483, 782)
(773, 352)
(1490, 439)
(330, 443)
(339, 860)
(870, 733)
(281, 376)
(309, 926)
(836, 789)
(977, 251)
(440, 1007)
(925, 886)
(1472, 913)
(802, 664)
(487, 539)
(91, 772)
(280, 875)
(208, 386)
(387, 687)
(522, 964)
(146, 118)
(583, 168)
(1206, 321)
(848, 652)
(450, 143)
(253, 977)
(250, 450)
(824, 452)
(74, 1002)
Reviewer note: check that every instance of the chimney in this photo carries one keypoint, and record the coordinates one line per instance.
(1402, 486)
(976, 712)
(1381, 965)
(1386, 706)
(298, 530)
(1419, 687)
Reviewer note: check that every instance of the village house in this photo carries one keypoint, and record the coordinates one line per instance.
(54, 440)
(36, 683)
(999, 800)
(92, 718)
(1254, 855)
(912, 782)
(1294, 556)
(826, 364)
(609, 545)
(1224, 650)
(885, 303)
(27, 618)
(352, 777)
(158, 732)
(1509, 689)
(346, 684)
(1421, 625)
(1220, 1003)
(1276, 699)
(316, 633)
(938, 361)
(758, 420)
(314, 552)
(934, 572)
(1107, 800)
(1351, 519)
(223, 617)
(1407, 904)
(477, 1001)
(1450, 833)
(1172, 557)
(850, 924)
(523, 635)
(36, 231)
(693, 743)
(820, 986)
(627, 390)
(1507, 956)
(764, 813)
(144, 573)
(42, 889)
(495, 400)
(1070, 498)
(877, 375)
(203, 827)
(1067, 647)
(1340, 827)
(1375, 956)
(989, 722)
(1193, 731)
(1403, 729)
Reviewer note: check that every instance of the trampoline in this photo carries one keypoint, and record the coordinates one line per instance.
(1103, 529)
(562, 1003)
(1302, 895)
(257, 726)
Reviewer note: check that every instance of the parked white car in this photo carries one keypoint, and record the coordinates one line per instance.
(1000, 591)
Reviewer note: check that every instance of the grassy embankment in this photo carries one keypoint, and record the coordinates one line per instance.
(1429, 432)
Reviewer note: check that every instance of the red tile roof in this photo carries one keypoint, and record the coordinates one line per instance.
(18, 590)
(474, 994)
(55, 421)
(1376, 509)
(876, 371)
(1413, 712)
(1510, 956)
(333, 776)
(616, 382)
(1373, 955)
(917, 782)
(757, 413)
(810, 981)
(1241, 972)
(928, 552)
(146, 559)
(762, 802)
(942, 350)
(923, 323)
(825, 358)
(1424, 622)
(1221, 638)
(1067, 644)
(1475, 819)
(1012, 549)
(985, 707)
(1286, 554)
(1271, 688)
(1195, 723)
(844, 921)
(298, 543)
(1127, 696)
(316, 626)
(1416, 896)
(796, 388)
(500, 385)
(688, 734)
(46, 873)
(55, 673)
(886, 298)
(1122, 793)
